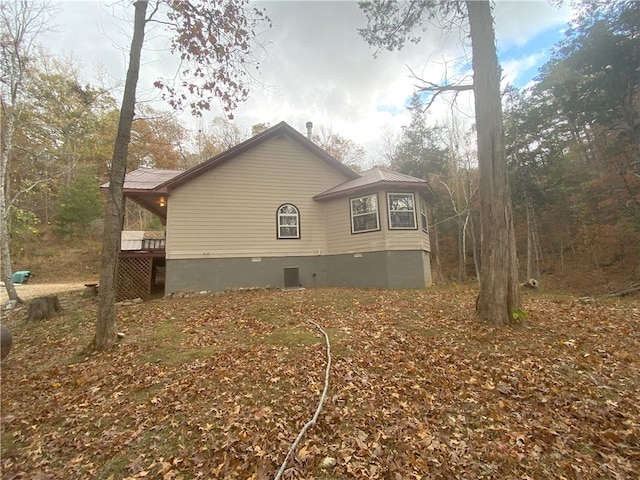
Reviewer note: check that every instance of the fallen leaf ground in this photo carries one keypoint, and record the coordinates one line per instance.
(218, 386)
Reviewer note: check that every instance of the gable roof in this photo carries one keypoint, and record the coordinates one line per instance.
(281, 128)
(376, 177)
(149, 187)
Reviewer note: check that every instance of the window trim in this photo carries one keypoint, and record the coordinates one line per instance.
(377, 212)
(415, 220)
(279, 226)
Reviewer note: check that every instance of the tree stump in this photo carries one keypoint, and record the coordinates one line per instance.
(43, 308)
(6, 340)
(90, 290)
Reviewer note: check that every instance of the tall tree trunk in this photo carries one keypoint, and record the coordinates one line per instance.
(436, 265)
(462, 253)
(21, 23)
(534, 252)
(561, 253)
(5, 251)
(474, 242)
(529, 238)
(106, 334)
(499, 297)
(459, 276)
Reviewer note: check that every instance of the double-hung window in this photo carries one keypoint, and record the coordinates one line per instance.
(288, 221)
(402, 211)
(364, 214)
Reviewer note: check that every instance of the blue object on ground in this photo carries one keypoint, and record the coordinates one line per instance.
(21, 277)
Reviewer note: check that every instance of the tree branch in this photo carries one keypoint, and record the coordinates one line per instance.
(314, 419)
(444, 88)
(437, 89)
(12, 200)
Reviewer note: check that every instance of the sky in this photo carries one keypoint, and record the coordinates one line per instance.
(314, 65)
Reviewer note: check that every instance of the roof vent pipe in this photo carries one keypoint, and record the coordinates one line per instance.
(309, 126)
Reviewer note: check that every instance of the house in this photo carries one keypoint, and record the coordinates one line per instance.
(278, 210)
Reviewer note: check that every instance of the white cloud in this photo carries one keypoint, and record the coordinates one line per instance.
(517, 22)
(512, 69)
(316, 66)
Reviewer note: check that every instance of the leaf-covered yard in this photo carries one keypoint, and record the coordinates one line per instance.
(218, 386)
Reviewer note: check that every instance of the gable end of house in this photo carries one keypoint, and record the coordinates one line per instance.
(281, 128)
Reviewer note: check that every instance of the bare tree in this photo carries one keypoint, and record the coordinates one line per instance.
(390, 25)
(215, 137)
(344, 149)
(214, 41)
(534, 252)
(389, 139)
(106, 333)
(21, 22)
(459, 183)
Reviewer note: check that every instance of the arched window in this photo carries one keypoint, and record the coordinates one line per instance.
(288, 221)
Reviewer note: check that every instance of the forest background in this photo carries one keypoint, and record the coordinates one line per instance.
(573, 144)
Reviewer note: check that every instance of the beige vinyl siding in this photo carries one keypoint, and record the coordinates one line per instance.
(426, 243)
(401, 239)
(340, 240)
(338, 226)
(230, 211)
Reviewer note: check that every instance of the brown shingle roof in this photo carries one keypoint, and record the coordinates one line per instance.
(373, 178)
